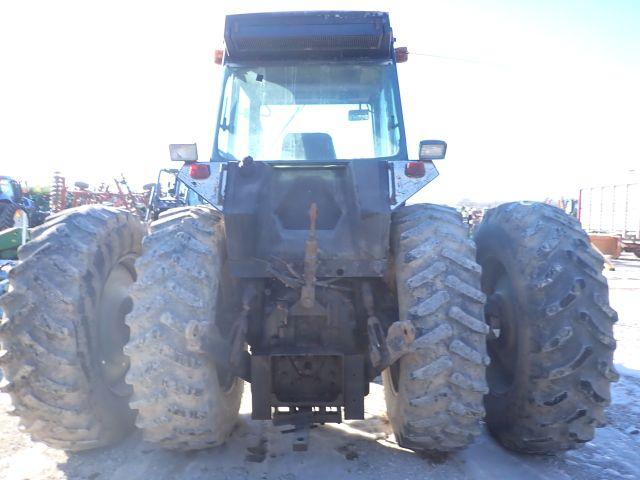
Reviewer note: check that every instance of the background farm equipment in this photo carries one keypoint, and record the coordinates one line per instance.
(19, 206)
(63, 197)
(168, 192)
(10, 240)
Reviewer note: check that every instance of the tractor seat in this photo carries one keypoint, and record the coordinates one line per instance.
(308, 146)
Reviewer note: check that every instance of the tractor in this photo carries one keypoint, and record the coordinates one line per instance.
(306, 273)
(166, 193)
(15, 208)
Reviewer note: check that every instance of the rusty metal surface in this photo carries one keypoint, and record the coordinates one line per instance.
(308, 291)
(607, 244)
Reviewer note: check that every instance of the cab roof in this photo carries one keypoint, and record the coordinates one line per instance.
(331, 35)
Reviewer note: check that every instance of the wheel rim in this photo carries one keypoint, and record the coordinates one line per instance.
(394, 376)
(113, 333)
(500, 315)
(226, 379)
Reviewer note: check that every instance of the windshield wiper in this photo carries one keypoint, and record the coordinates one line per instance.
(298, 109)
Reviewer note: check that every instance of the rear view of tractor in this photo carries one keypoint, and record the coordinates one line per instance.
(305, 274)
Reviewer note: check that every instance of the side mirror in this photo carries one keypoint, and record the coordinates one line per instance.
(432, 150)
(358, 115)
(183, 152)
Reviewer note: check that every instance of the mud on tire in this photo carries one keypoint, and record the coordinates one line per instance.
(180, 401)
(434, 394)
(65, 372)
(552, 362)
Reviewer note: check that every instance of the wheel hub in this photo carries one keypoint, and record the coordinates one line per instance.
(502, 345)
(493, 317)
(113, 333)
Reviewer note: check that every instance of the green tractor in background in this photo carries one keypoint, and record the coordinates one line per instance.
(17, 213)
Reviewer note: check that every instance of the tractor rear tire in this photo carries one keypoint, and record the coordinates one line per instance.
(548, 302)
(7, 211)
(182, 401)
(434, 393)
(64, 329)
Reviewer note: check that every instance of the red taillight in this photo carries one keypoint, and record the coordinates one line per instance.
(415, 170)
(402, 54)
(199, 171)
(218, 57)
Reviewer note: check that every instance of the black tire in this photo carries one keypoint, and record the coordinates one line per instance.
(180, 401)
(551, 365)
(434, 394)
(64, 328)
(7, 211)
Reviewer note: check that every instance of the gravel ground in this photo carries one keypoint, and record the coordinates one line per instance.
(361, 449)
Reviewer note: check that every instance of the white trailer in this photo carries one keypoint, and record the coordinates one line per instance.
(612, 210)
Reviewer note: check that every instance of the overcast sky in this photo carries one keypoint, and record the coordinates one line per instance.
(534, 98)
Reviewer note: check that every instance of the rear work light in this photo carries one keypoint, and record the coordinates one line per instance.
(432, 150)
(415, 170)
(199, 171)
(183, 152)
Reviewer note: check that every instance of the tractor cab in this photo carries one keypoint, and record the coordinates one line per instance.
(310, 110)
(10, 190)
(303, 88)
(310, 114)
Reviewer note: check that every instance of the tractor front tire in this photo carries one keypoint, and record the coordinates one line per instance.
(552, 345)
(183, 401)
(434, 393)
(64, 329)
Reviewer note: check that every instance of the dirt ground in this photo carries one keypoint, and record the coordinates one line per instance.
(360, 449)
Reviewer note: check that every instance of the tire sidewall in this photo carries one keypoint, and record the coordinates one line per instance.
(52, 327)
(563, 363)
(168, 370)
(124, 250)
(493, 242)
(115, 406)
